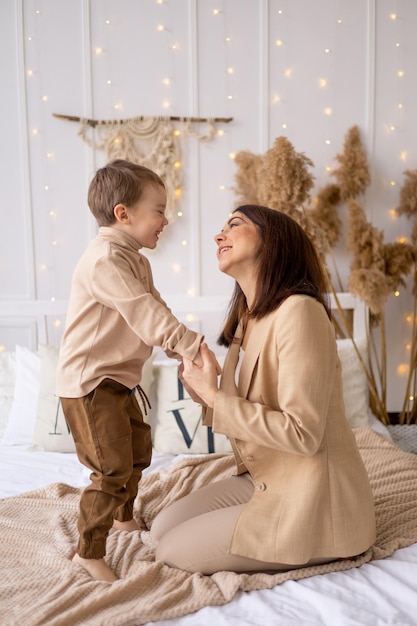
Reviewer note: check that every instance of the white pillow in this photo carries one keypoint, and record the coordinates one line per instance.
(7, 385)
(22, 417)
(51, 430)
(176, 418)
(355, 383)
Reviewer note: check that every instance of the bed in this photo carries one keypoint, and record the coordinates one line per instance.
(41, 479)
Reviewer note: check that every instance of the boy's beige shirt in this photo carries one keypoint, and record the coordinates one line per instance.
(115, 317)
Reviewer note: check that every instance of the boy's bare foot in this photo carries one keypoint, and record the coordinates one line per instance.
(97, 568)
(129, 525)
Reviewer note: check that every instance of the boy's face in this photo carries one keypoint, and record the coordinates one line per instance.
(145, 220)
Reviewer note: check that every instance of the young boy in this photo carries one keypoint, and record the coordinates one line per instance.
(115, 317)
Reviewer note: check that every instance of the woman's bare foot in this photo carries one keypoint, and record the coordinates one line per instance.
(97, 568)
(129, 525)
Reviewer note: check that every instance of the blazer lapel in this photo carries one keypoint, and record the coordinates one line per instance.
(253, 348)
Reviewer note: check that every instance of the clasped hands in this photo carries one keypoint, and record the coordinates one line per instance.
(200, 380)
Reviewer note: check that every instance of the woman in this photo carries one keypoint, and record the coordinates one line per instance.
(301, 495)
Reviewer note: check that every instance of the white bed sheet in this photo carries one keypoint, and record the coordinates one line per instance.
(379, 593)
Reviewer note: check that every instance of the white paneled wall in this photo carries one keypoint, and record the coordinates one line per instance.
(306, 69)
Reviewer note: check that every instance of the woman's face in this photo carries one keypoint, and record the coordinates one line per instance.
(238, 246)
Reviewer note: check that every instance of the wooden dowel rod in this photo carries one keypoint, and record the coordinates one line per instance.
(73, 118)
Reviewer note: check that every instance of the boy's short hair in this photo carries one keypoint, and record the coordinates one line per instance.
(118, 182)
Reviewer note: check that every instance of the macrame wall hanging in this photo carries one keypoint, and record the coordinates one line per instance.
(150, 141)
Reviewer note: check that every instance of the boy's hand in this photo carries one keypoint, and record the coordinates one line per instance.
(203, 379)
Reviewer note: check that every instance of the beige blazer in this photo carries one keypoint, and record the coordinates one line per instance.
(287, 424)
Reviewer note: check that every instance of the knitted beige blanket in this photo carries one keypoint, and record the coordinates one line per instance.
(40, 586)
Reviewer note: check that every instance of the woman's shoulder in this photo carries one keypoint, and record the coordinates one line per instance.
(300, 303)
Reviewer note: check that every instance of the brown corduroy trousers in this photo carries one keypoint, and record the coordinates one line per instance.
(113, 441)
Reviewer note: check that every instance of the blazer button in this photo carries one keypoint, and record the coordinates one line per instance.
(261, 486)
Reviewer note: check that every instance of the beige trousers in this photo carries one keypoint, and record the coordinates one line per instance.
(194, 533)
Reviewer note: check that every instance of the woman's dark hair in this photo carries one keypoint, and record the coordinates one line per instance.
(288, 264)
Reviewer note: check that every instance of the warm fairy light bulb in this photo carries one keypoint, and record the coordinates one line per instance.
(29, 72)
(230, 97)
(177, 133)
(30, 38)
(393, 16)
(178, 193)
(328, 168)
(3, 348)
(166, 104)
(220, 132)
(54, 243)
(53, 298)
(179, 213)
(160, 27)
(392, 127)
(279, 11)
(393, 183)
(166, 81)
(57, 323)
(403, 155)
(339, 21)
(191, 291)
(43, 267)
(400, 105)
(402, 369)
(184, 242)
(328, 111)
(328, 142)
(175, 46)
(99, 51)
(288, 72)
(222, 187)
(393, 213)
(46, 188)
(228, 39)
(176, 268)
(327, 50)
(107, 21)
(177, 164)
(276, 99)
(50, 155)
(230, 70)
(400, 73)
(232, 155)
(159, 1)
(108, 82)
(45, 98)
(284, 126)
(189, 317)
(279, 42)
(396, 293)
(216, 11)
(402, 240)
(35, 132)
(322, 82)
(52, 213)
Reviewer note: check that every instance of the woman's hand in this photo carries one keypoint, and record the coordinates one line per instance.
(202, 379)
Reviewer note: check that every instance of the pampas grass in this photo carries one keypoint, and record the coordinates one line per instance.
(281, 179)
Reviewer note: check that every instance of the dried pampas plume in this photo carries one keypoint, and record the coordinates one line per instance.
(284, 179)
(248, 165)
(353, 174)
